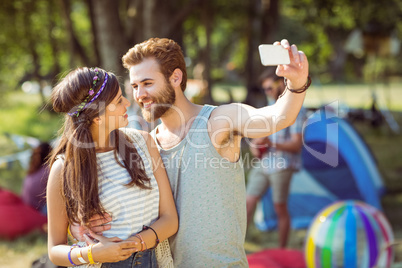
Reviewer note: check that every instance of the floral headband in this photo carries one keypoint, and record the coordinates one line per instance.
(85, 103)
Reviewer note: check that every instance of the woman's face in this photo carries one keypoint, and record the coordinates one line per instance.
(115, 115)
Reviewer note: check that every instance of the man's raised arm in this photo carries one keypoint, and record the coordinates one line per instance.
(251, 122)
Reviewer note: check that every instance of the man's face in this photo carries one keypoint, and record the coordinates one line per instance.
(272, 88)
(151, 91)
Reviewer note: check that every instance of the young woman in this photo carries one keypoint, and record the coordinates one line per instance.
(34, 187)
(100, 169)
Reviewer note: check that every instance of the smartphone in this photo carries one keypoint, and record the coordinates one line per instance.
(273, 55)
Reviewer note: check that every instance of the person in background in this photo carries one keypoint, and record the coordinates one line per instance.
(34, 186)
(280, 158)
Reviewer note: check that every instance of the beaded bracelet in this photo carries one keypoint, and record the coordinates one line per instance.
(157, 238)
(301, 90)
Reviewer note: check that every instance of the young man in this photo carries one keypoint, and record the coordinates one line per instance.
(200, 148)
(280, 157)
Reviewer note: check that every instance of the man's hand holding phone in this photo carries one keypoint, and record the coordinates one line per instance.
(292, 63)
(272, 55)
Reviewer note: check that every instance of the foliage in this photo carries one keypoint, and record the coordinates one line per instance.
(25, 116)
(329, 23)
(228, 44)
(43, 38)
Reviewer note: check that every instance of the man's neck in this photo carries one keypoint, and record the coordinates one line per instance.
(179, 116)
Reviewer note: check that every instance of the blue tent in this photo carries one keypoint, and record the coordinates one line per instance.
(337, 165)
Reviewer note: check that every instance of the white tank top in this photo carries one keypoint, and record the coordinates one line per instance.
(130, 207)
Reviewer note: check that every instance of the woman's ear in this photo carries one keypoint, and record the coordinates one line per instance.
(97, 121)
(176, 77)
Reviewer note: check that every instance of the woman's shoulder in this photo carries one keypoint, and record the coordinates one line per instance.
(137, 135)
(141, 139)
(56, 170)
(58, 162)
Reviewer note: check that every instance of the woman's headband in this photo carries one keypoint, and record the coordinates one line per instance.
(87, 102)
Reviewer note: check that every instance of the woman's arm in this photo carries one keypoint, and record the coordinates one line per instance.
(167, 224)
(107, 250)
(57, 217)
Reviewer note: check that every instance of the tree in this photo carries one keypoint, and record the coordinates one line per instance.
(110, 35)
(329, 23)
(39, 39)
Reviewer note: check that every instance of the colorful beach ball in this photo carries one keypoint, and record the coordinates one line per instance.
(349, 234)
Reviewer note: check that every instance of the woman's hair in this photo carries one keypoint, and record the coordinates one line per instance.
(76, 147)
(165, 51)
(39, 157)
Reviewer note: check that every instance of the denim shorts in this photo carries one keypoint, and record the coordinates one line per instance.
(142, 259)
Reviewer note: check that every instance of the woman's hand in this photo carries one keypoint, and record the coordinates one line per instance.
(111, 249)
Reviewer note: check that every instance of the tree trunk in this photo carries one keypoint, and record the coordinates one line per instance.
(337, 63)
(53, 43)
(75, 46)
(263, 20)
(207, 19)
(95, 47)
(110, 36)
(252, 46)
(165, 18)
(154, 17)
(134, 26)
(175, 22)
(269, 21)
(32, 44)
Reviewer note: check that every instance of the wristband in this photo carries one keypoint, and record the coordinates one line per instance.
(90, 258)
(80, 258)
(157, 238)
(69, 254)
(70, 236)
(301, 90)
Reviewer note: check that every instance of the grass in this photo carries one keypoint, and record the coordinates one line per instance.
(21, 252)
(22, 115)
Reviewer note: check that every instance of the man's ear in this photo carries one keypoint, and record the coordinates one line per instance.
(176, 77)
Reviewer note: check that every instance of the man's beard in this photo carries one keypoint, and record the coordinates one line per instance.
(161, 105)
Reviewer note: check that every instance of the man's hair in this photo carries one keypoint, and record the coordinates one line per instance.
(165, 51)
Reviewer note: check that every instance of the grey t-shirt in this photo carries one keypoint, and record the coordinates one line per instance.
(210, 197)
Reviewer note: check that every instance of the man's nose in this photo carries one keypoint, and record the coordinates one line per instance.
(140, 93)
